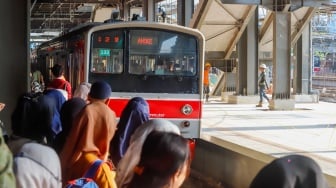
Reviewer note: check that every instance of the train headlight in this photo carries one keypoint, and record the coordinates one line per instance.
(187, 109)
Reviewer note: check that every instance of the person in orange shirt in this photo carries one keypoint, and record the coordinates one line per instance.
(206, 83)
(89, 139)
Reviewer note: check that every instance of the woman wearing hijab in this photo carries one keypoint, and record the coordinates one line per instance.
(125, 168)
(89, 139)
(82, 91)
(293, 171)
(70, 109)
(134, 114)
(56, 125)
(31, 122)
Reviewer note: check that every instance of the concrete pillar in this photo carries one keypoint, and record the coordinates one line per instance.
(14, 50)
(281, 97)
(303, 69)
(185, 9)
(125, 13)
(149, 10)
(247, 69)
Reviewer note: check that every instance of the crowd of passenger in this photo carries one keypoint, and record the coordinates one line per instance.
(57, 139)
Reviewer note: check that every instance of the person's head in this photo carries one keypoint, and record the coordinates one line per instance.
(32, 116)
(82, 91)
(207, 66)
(132, 156)
(36, 87)
(57, 70)
(100, 90)
(70, 109)
(293, 171)
(164, 161)
(135, 113)
(262, 67)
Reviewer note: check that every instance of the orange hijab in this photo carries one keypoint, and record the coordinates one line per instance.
(91, 132)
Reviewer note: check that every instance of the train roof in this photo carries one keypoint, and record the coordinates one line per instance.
(73, 31)
(101, 25)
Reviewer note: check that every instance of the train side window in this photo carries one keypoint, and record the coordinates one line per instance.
(162, 53)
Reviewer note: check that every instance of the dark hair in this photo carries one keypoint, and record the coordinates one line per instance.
(32, 116)
(57, 70)
(162, 155)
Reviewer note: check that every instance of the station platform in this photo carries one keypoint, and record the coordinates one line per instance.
(264, 134)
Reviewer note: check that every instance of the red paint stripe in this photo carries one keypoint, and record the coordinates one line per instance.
(162, 108)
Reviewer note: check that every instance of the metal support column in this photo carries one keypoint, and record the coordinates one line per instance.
(302, 87)
(14, 59)
(281, 97)
(303, 68)
(149, 10)
(125, 11)
(249, 67)
(247, 73)
(185, 9)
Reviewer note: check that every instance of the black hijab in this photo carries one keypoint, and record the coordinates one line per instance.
(293, 171)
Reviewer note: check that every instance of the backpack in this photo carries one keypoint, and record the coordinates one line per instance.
(86, 181)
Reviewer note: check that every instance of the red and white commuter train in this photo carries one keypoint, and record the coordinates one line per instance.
(163, 63)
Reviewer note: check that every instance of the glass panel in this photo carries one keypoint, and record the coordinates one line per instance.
(162, 53)
(107, 52)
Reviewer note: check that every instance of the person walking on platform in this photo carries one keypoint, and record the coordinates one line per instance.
(262, 84)
(59, 81)
(206, 83)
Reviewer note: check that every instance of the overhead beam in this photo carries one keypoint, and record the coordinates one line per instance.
(58, 19)
(266, 25)
(301, 24)
(235, 39)
(198, 16)
(270, 4)
(79, 1)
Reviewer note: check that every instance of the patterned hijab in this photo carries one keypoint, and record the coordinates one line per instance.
(134, 114)
(131, 158)
(293, 171)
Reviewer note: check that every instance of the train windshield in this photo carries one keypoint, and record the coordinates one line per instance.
(145, 60)
(107, 52)
(161, 53)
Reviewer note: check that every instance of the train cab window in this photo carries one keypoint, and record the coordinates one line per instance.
(107, 52)
(162, 53)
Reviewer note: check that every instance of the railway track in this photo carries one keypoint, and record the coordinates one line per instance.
(326, 85)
